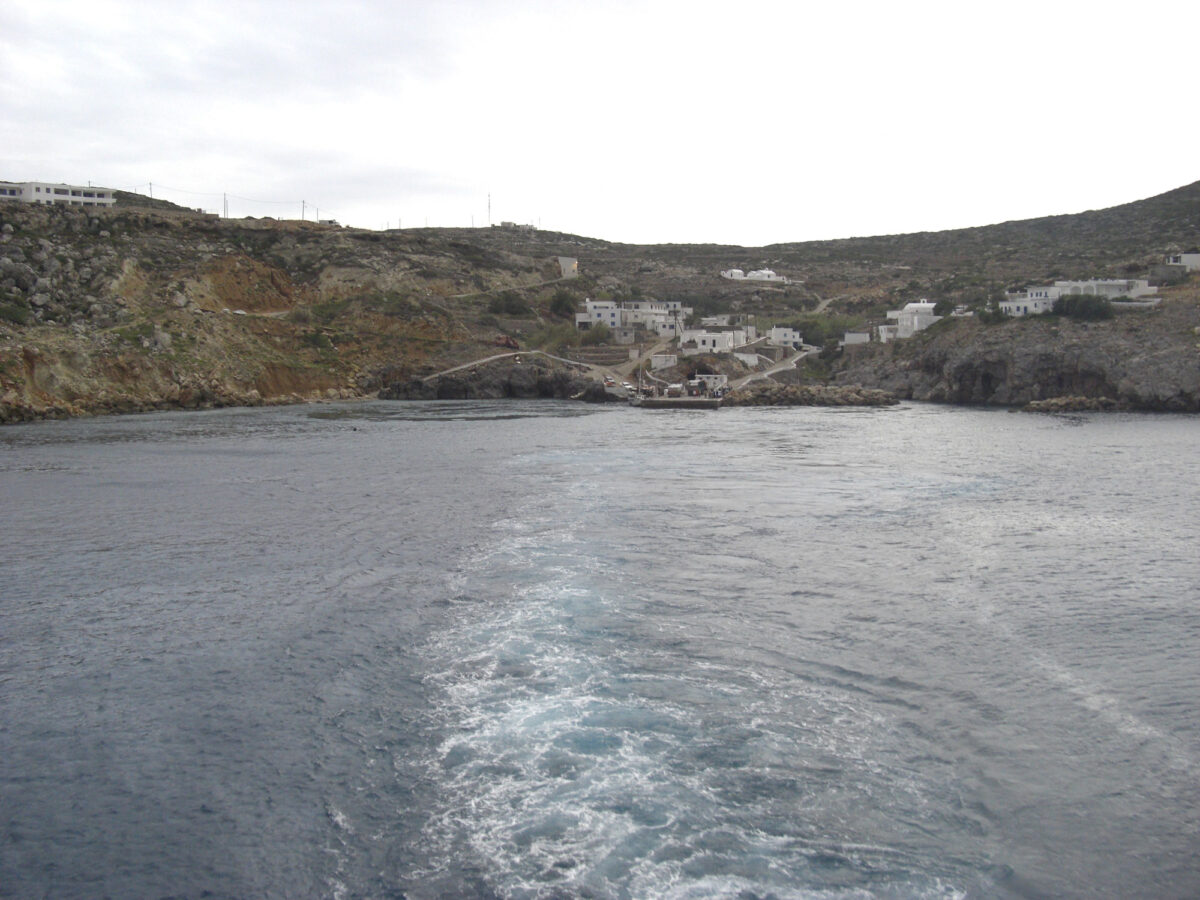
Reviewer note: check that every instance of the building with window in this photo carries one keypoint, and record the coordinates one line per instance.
(1036, 300)
(1190, 261)
(56, 194)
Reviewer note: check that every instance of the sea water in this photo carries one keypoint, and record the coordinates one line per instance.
(548, 650)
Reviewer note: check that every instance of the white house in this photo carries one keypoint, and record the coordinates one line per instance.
(599, 312)
(753, 275)
(1108, 287)
(701, 340)
(1191, 261)
(856, 337)
(56, 194)
(913, 318)
(662, 317)
(1031, 302)
(1036, 300)
(569, 266)
(781, 336)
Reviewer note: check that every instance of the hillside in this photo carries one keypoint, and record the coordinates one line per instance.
(147, 306)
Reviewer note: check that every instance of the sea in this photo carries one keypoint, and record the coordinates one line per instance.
(542, 649)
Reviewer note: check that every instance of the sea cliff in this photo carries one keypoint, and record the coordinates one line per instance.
(1143, 360)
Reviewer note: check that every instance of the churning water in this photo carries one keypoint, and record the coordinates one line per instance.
(545, 650)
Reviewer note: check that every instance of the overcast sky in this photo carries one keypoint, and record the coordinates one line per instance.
(657, 121)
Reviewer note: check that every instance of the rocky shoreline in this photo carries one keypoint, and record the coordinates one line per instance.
(1147, 361)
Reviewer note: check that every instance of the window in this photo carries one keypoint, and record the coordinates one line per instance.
(60, 190)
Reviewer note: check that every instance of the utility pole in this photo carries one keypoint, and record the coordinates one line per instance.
(489, 208)
(302, 210)
(152, 190)
(225, 204)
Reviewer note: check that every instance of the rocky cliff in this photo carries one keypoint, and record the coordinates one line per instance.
(1147, 360)
(121, 310)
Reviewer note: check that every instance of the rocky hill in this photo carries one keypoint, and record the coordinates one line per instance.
(1144, 360)
(142, 307)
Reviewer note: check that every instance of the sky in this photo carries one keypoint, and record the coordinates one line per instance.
(657, 121)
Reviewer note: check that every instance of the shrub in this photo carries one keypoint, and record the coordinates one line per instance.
(1087, 307)
(316, 339)
(562, 304)
(597, 334)
(554, 337)
(14, 313)
(329, 310)
(509, 303)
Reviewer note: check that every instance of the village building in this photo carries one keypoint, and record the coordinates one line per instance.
(1190, 261)
(908, 321)
(1037, 300)
(663, 318)
(782, 336)
(753, 275)
(47, 193)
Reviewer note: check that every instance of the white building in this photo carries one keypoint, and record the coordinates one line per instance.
(856, 337)
(569, 266)
(1036, 300)
(781, 336)
(694, 341)
(913, 318)
(662, 317)
(1032, 302)
(1191, 261)
(599, 312)
(663, 361)
(753, 275)
(56, 194)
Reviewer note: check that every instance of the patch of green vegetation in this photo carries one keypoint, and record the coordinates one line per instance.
(554, 337)
(135, 333)
(813, 368)
(594, 336)
(329, 310)
(14, 313)
(393, 303)
(317, 339)
(563, 304)
(820, 330)
(1086, 307)
(509, 303)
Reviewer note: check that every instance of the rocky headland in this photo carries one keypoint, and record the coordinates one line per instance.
(1138, 360)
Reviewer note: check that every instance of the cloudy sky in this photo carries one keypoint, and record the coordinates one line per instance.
(745, 122)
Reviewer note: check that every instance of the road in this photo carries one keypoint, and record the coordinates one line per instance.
(784, 364)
